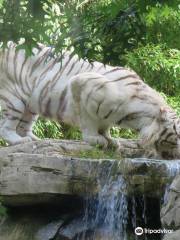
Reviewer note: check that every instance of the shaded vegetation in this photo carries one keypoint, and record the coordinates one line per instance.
(158, 65)
(3, 211)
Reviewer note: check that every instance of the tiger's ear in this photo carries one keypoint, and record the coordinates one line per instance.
(165, 109)
(164, 113)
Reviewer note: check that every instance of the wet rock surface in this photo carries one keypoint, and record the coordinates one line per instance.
(173, 236)
(47, 173)
(40, 222)
(170, 212)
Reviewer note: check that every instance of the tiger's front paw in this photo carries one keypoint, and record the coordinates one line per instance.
(32, 136)
(113, 143)
(152, 154)
(96, 140)
(21, 140)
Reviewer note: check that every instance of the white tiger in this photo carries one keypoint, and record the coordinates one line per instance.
(92, 96)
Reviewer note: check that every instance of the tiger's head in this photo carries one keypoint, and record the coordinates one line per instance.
(168, 140)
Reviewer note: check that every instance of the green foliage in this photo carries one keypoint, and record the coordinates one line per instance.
(47, 129)
(163, 25)
(33, 21)
(96, 153)
(102, 30)
(13, 14)
(70, 132)
(117, 132)
(3, 143)
(3, 210)
(157, 65)
(174, 102)
(74, 23)
(1, 3)
(50, 129)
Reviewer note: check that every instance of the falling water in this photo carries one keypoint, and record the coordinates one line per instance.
(107, 214)
(173, 167)
(111, 215)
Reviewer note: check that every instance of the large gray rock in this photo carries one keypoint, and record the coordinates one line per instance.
(33, 224)
(47, 171)
(170, 212)
(173, 236)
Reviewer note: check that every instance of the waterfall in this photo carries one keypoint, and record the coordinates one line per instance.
(111, 214)
(173, 167)
(107, 214)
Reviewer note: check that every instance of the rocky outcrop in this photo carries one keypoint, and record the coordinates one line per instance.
(129, 148)
(47, 171)
(173, 236)
(57, 173)
(170, 213)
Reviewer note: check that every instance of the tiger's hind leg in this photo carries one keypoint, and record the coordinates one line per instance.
(113, 143)
(94, 138)
(95, 129)
(25, 125)
(11, 116)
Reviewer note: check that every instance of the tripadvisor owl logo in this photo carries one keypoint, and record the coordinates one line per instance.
(139, 231)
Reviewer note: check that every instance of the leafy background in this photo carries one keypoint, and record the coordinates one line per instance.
(143, 35)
